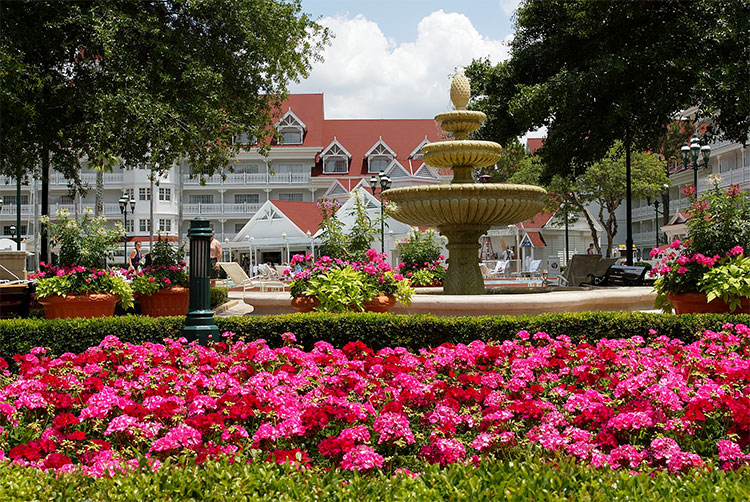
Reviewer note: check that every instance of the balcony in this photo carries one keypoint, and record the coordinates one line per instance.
(250, 179)
(242, 209)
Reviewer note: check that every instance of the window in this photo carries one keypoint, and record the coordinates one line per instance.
(6, 230)
(165, 194)
(291, 168)
(238, 227)
(144, 194)
(247, 169)
(246, 198)
(10, 200)
(130, 193)
(201, 199)
(165, 225)
(129, 226)
(335, 164)
(65, 199)
(291, 129)
(379, 157)
(379, 163)
(296, 197)
(144, 225)
(245, 139)
(291, 136)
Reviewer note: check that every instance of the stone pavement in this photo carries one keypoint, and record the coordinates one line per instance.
(237, 307)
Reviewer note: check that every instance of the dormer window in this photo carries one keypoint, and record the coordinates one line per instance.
(291, 129)
(379, 157)
(417, 152)
(335, 158)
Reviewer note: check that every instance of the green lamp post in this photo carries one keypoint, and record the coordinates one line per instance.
(199, 323)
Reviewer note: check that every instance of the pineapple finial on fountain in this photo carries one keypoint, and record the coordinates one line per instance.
(464, 210)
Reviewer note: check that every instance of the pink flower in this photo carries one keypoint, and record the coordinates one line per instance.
(361, 458)
(737, 250)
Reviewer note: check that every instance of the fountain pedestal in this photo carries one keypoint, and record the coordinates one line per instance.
(463, 276)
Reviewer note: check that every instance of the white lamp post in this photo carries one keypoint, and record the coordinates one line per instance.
(312, 244)
(286, 244)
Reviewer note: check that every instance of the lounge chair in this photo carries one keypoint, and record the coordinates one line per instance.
(237, 276)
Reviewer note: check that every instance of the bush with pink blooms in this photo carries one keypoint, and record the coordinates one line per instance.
(712, 259)
(621, 403)
(167, 269)
(340, 285)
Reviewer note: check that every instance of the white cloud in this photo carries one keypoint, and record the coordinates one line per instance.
(366, 75)
(509, 6)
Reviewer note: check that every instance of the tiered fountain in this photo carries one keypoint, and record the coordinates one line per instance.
(464, 210)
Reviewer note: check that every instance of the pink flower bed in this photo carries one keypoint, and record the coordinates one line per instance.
(620, 403)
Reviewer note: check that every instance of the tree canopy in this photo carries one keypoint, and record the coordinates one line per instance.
(147, 81)
(597, 72)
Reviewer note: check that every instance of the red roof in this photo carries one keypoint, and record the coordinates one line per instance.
(359, 136)
(534, 144)
(309, 109)
(538, 221)
(536, 239)
(306, 215)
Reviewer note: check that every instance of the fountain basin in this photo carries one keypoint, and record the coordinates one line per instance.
(465, 204)
(449, 154)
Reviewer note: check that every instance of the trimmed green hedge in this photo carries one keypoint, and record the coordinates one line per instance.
(18, 336)
(491, 480)
(219, 296)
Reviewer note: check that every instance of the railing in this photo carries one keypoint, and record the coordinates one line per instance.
(218, 209)
(249, 179)
(10, 210)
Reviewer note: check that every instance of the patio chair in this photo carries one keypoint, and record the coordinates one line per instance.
(500, 268)
(237, 275)
(533, 270)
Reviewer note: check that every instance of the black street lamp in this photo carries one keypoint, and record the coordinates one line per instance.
(123, 201)
(656, 202)
(694, 150)
(199, 322)
(385, 183)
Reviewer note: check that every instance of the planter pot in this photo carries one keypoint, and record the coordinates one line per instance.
(695, 303)
(87, 305)
(304, 303)
(166, 302)
(381, 303)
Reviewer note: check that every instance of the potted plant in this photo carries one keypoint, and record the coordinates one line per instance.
(79, 285)
(709, 271)
(329, 285)
(421, 260)
(162, 286)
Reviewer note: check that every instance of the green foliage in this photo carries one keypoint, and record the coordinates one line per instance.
(596, 72)
(730, 281)
(75, 284)
(419, 249)
(219, 296)
(513, 158)
(19, 336)
(87, 242)
(151, 82)
(353, 244)
(427, 277)
(167, 269)
(248, 477)
(339, 289)
(719, 220)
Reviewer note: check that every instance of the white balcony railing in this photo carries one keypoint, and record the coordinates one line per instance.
(250, 179)
(218, 209)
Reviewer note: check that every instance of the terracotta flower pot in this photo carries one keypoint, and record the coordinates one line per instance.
(304, 303)
(381, 303)
(87, 305)
(166, 302)
(695, 303)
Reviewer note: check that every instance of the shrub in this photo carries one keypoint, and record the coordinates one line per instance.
(420, 250)
(219, 296)
(167, 269)
(18, 336)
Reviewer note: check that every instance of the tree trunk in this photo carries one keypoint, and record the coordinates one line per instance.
(628, 201)
(592, 226)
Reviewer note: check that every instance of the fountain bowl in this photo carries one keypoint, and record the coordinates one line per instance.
(469, 204)
(450, 154)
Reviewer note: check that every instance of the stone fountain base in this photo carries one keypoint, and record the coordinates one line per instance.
(463, 276)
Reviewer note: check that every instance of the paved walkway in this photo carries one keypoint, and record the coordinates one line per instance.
(239, 307)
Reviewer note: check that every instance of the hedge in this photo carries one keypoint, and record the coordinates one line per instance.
(218, 296)
(18, 336)
(222, 480)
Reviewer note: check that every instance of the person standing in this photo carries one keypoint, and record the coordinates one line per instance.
(215, 255)
(591, 249)
(135, 258)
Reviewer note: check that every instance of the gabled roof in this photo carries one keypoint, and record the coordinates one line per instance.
(679, 218)
(396, 170)
(290, 115)
(305, 215)
(308, 110)
(336, 188)
(534, 144)
(335, 143)
(359, 136)
(380, 146)
(418, 149)
(535, 239)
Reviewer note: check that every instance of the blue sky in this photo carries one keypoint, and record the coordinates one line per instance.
(394, 59)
